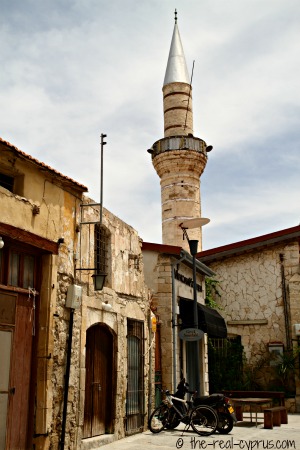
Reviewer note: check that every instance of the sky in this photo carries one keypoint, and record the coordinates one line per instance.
(73, 69)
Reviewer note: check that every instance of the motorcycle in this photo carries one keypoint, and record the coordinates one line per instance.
(220, 403)
(223, 408)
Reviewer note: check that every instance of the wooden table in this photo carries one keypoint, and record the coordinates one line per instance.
(257, 403)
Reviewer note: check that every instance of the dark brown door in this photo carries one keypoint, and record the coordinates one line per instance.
(98, 410)
(17, 355)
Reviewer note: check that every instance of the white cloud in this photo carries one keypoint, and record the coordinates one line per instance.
(75, 69)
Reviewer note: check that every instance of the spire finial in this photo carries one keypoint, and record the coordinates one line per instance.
(175, 16)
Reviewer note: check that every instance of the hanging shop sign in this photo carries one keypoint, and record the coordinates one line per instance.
(191, 334)
(186, 280)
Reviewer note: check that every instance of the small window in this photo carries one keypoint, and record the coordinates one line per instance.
(21, 270)
(14, 270)
(28, 271)
(1, 266)
(7, 182)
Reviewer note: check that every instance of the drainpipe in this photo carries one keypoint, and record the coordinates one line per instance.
(67, 376)
(286, 305)
(150, 367)
(174, 320)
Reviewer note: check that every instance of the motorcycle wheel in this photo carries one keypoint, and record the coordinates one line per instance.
(225, 423)
(173, 420)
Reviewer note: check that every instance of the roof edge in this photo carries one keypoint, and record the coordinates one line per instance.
(178, 252)
(43, 165)
(250, 244)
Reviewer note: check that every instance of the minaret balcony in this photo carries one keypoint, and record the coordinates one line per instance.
(172, 143)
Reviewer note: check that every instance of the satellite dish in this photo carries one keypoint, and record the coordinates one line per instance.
(194, 223)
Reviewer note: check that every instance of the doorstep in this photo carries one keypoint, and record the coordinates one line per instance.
(97, 441)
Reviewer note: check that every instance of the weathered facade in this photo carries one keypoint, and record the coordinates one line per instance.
(75, 361)
(259, 284)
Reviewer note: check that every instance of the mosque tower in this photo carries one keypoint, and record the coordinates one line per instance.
(179, 158)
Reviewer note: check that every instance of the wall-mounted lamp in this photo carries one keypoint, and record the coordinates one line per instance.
(1, 243)
(106, 306)
(99, 280)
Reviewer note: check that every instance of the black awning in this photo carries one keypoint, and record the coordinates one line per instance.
(209, 320)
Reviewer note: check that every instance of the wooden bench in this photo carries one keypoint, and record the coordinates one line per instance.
(275, 416)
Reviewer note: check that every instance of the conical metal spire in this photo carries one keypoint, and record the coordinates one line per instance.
(176, 67)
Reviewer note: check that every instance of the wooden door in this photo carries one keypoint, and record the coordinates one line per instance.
(98, 410)
(5, 352)
(17, 368)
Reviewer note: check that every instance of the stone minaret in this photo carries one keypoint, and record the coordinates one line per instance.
(179, 158)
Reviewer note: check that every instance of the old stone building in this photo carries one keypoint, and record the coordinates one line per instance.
(179, 159)
(74, 361)
(259, 286)
(168, 273)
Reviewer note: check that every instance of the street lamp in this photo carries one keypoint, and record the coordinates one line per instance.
(193, 244)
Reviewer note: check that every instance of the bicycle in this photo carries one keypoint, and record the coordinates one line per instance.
(201, 418)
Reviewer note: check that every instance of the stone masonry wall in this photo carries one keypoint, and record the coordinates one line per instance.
(178, 109)
(60, 338)
(251, 290)
(161, 286)
(127, 294)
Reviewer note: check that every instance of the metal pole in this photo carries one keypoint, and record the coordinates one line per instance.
(67, 376)
(195, 305)
(174, 334)
(197, 362)
(174, 331)
(194, 249)
(101, 176)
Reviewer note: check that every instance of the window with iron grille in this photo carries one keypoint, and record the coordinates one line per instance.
(225, 364)
(101, 248)
(135, 375)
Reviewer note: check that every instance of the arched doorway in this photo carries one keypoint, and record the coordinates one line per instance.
(99, 382)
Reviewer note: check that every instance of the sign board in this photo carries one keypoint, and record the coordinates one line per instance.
(191, 334)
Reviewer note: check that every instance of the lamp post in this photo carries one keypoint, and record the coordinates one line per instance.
(193, 244)
(99, 277)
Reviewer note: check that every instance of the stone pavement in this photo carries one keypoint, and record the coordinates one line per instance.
(245, 436)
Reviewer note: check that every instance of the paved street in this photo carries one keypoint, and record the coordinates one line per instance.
(243, 436)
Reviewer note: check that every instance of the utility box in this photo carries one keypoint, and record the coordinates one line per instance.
(297, 329)
(74, 296)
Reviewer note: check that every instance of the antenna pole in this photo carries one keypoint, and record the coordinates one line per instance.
(101, 176)
(187, 108)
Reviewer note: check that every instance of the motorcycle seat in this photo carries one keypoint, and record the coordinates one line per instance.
(208, 399)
